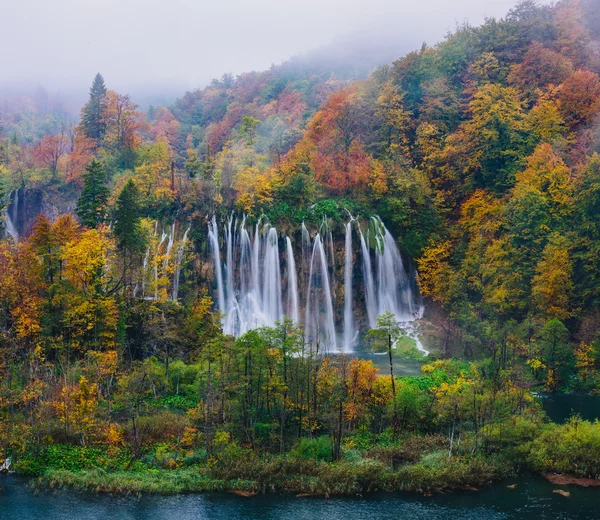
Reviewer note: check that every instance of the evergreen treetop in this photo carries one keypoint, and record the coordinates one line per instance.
(91, 206)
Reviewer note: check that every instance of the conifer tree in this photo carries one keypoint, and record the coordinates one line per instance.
(91, 206)
(127, 227)
(93, 123)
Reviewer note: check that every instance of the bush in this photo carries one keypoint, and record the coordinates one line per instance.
(71, 458)
(163, 426)
(316, 449)
(568, 448)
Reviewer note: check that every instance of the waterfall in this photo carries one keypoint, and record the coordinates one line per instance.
(10, 222)
(230, 302)
(146, 258)
(180, 251)
(292, 283)
(252, 292)
(348, 315)
(213, 236)
(370, 302)
(394, 292)
(271, 295)
(169, 246)
(319, 324)
(162, 239)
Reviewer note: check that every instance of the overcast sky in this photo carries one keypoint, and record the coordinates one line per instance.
(166, 44)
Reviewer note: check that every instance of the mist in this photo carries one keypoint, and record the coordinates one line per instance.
(156, 49)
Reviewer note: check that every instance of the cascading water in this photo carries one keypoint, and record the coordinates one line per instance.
(348, 314)
(10, 221)
(213, 236)
(319, 326)
(180, 250)
(157, 252)
(393, 292)
(292, 282)
(369, 285)
(169, 247)
(251, 293)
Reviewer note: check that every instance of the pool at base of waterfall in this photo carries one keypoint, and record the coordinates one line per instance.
(532, 497)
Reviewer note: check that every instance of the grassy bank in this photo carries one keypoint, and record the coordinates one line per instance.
(288, 476)
(415, 463)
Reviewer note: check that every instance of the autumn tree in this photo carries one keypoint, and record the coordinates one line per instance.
(552, 286)
(122, 122)
(50, 150)
(579, 98)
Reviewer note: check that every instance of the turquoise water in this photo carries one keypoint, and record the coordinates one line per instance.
(531, 499)
(559, 407)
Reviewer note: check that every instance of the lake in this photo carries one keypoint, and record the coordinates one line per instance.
(560, 407)
(532, 498)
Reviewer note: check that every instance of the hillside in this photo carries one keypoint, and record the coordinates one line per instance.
(210, 283)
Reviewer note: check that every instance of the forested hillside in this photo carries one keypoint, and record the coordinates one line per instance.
(480, 155)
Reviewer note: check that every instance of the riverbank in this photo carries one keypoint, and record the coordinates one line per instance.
(285, 475)
(413, 463)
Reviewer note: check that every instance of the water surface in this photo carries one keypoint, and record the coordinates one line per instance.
(531, 499)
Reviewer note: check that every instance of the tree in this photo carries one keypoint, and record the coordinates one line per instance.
(50, 150)
(552, 287)
(579, 98)
(547, 173)
(93, 122)
(386, 335)
(91, 206)
(122, 122)
(487, 147)
(127, 230)
(248, 128)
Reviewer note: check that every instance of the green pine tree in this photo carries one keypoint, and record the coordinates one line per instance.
(91, 206)
(127, 230)
(93, 123)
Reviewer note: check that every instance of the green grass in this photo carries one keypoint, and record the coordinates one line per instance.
(289, 475)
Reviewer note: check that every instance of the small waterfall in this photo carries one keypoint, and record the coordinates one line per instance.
(146, 259)
(394, 292)
(348, 315)
(10, 221)
(292, 283)
(229, 295)
(271, 295)
(369, 285)
(169, 247)
(158, 248)
(180, 251)
(213, 236)
(319, 324)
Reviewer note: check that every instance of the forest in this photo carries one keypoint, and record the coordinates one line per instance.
(146, 346)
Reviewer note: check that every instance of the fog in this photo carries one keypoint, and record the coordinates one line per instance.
(163, 47)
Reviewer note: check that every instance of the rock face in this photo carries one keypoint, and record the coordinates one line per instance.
(27, 203)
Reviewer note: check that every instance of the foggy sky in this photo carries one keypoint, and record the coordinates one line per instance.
(149, 45)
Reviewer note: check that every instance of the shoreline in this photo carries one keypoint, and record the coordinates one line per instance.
(340, 479)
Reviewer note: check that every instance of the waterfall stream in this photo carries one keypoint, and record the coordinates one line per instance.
(251, 286)
(180, 250)
(348, 314)
(11, 220)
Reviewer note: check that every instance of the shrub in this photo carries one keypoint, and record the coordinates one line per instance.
(317, 449)
(568, 448)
